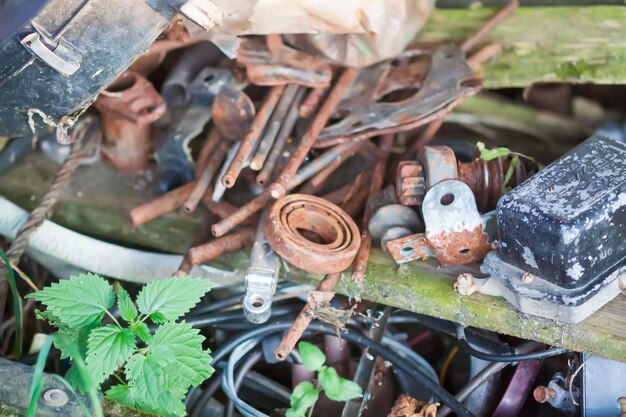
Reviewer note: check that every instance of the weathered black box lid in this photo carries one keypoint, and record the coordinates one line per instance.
(567, 224)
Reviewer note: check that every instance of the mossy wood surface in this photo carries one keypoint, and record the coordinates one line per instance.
(94, 206)
(543, 44)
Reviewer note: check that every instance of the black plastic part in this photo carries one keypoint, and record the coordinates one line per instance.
(567, 224)
(103, 36)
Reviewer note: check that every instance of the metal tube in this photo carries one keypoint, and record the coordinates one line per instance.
(251, 140)
(222, 246)
(279, 188)
(163, 204)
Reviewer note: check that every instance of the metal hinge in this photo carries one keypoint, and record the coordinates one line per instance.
(62, 58)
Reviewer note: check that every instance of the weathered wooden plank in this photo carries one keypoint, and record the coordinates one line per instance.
(544, 44)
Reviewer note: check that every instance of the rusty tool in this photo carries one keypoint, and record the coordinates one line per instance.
(273, 126)
(312, 234)
(255, 205)
(279, 188)
(285, 130)
(163, 204)
(303, 320)
(360, 264)
(311, 102)
(251, 140)
(222, 246)
(127, 108)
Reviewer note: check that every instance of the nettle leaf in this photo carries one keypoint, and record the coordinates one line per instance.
(151, 388)
(348, 390)
(158, 318)
(337, 388)
(183, 344)
(78, 301)
(491, 154)
(172, 297)
(303, 397)
(128, 311)
(121, 394)
(107, 348)
(72, 340)
(312, 357)
(142, 331)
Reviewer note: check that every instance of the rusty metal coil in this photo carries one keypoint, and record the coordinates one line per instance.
(312, 234)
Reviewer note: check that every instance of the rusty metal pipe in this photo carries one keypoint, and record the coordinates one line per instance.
(255, 205)
(484, 54)
(378, 178)
(251, 140)
(163, 204)
(478, 36)
(311, 102)
(208, 147)
(273, 126)
(206, 177)
(279, 188)
(222, 246)
(290, 121)
(303, 320)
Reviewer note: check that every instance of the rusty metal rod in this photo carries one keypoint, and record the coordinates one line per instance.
(163, 204)
(208, 147)
(424, 139)
(290, 121)
(316, 182)
(206, 177)
(251, 140)
(228, 244)
(484, 54)
(255, 205)
(311, 102)
(356, 197)
(221, 209)
(303, 320)
(478, 36)
(378, 178)
(273, 126)
(279, 188)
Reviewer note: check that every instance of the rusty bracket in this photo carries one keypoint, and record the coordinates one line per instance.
(456, 233)
(367, 113)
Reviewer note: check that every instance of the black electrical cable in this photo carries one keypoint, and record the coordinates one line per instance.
(492, 357)
(374, 348)
(244, 368)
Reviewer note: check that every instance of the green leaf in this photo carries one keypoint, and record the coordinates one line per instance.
(294, 413)
(128, 311)
(510, 172)
(79, 301)
(121, 394)
(303, 397)
(70, 340)
(172, 297)
(107, 348)
(183, 344)
(142, 331)
(330, 381)
(491, 154)
(348, 390)
(312, 357)
(153, 389)
(158, 318)
(48, 316)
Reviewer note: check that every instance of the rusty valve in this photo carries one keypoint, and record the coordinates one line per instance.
(127, 107)
(486, 179)
(312, 234)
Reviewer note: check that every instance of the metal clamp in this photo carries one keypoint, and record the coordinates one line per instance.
(62, 59)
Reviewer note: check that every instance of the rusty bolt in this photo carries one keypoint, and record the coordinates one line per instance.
(411, 184)
(543, 394)
(527, 277)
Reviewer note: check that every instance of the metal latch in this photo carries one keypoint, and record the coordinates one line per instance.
(62, 59)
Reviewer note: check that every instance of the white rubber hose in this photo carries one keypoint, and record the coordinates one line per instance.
(66, 252)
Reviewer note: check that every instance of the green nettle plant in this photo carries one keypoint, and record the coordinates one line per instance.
(305, 394)
(158, 368)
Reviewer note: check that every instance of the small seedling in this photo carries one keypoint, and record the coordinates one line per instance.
(159, 371)
(491, 154)
(305, 394)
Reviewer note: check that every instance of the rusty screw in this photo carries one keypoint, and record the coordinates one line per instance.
(543, 394)
(411, 184)
(527, 277)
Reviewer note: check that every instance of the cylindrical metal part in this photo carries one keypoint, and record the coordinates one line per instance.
(222, 246)
(311, 102)
(279, 188)
(163, 204)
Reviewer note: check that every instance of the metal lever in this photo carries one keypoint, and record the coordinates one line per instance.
(261, 278)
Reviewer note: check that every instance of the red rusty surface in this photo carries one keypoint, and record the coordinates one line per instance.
(127, 107)
(410, 183)
(222, 246)
(312, 234)
(233, 113)
(163, 204)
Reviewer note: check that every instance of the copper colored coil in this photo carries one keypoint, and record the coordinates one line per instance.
(312, 234)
